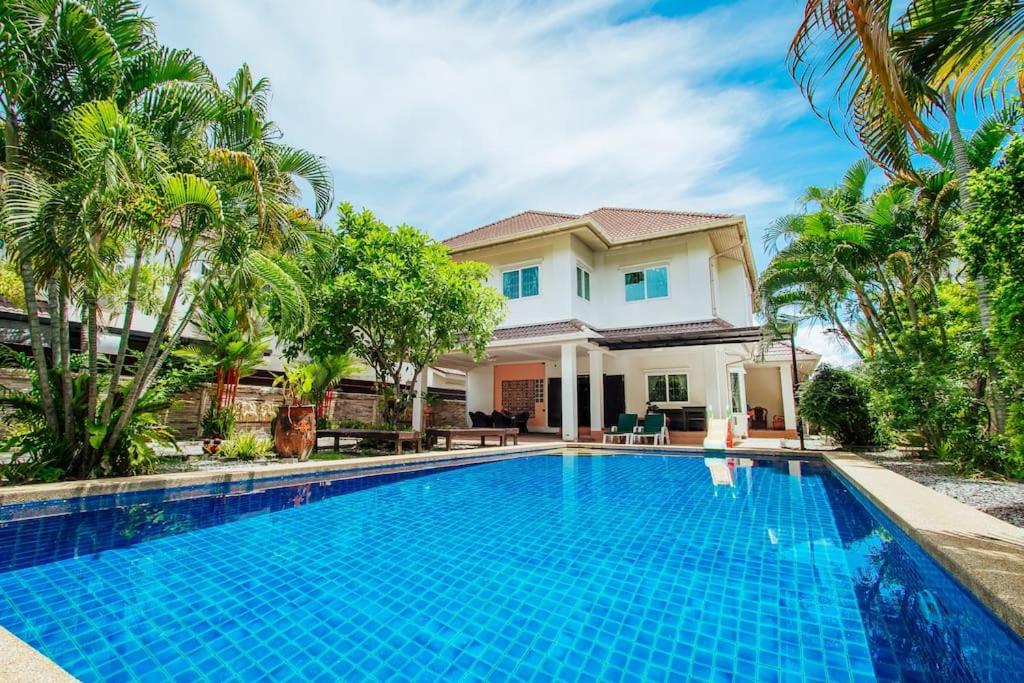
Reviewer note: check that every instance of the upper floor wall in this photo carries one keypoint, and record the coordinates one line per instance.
(660, 281)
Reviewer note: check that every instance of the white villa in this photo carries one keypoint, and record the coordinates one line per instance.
(617, 310)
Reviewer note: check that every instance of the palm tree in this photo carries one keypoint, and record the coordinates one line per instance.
(890, 73)
(854, 262)
(119, 152)
(326, 373)
(235, 344)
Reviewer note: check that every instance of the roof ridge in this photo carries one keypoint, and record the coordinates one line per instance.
(662, 211)
(508, 218)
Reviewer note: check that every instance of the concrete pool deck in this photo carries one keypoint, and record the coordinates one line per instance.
(982, 552)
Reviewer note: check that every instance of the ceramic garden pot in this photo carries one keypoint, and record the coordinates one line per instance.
(295, 431)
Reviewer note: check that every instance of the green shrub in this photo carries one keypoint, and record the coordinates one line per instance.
(217, 423)
(247, 446)
(836, 400)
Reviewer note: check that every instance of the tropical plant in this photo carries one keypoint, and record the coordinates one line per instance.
(217, 422)
(836, 400)
(992, 246)
(33, 445)
(395, 299)
(297, 382)
(247, 446)
(234, 345)
(120, 151)
(892, 70)
(326, 374)
(877, 269)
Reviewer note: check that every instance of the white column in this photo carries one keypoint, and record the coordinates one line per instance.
(419, 386)
(714, 372)
(596, 390)
(569, 415)
(788, 402)
(479, 390)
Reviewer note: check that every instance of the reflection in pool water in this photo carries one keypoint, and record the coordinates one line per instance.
(542, 567)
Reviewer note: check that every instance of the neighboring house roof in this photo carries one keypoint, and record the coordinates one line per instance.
(781, 351)
(9, 308)
(615, 225)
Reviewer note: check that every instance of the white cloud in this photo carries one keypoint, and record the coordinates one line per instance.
(447, 115)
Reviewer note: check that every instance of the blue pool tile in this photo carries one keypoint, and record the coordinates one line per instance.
(542, 568)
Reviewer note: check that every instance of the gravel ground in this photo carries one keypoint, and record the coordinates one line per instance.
(1000, 498)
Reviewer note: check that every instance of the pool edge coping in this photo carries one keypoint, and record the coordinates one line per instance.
(984, 553)
(22, 663)
(34, 493)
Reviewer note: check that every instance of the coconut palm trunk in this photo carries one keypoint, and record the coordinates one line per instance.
(12, 150)
(963, 171)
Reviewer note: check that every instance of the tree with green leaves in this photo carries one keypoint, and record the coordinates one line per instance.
(992, 245)
(875, 268)
(120, 153)
(892, 67)
(398, 301)
(836, 401)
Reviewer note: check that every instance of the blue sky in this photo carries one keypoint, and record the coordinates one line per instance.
(449, 115)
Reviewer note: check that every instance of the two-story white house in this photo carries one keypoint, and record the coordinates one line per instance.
(616, 310)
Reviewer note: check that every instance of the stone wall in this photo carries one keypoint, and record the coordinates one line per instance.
(257, 405)
(449, 412)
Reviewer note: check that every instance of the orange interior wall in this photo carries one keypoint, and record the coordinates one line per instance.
(516, 372)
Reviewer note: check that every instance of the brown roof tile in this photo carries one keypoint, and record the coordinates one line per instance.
(647, 331)
(521, 222)
(620, 225)
(614, 334)
(539, 330)
(9, 307)
(627, 224)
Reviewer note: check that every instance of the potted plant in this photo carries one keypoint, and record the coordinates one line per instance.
(430, 403)
(295, 426)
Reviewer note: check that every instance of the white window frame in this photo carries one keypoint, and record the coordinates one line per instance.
(665, 374)
(580, 267)
(643, 268)
(519, 267)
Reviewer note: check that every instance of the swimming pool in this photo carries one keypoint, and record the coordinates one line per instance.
(534, 568)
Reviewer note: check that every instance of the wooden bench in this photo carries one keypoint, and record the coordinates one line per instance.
(502, 433)
(396, 437)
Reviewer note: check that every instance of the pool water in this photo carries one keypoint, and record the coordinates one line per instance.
(625, 567)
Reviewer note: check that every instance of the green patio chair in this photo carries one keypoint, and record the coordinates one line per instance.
(623, 430)
(654, 429)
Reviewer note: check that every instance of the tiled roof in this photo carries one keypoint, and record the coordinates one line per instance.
(648, 331)
(627, 224)
(9, 307)
(619, 225)
(615, 334)
(521, 222)
(780, 350)
(540, 330)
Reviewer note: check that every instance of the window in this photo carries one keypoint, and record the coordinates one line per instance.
(734, 393)
(521, 282)
(582, 283)
(667, 387)
(649, 283)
